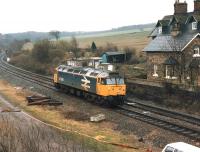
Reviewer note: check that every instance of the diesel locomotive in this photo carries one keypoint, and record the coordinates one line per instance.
(93, 84)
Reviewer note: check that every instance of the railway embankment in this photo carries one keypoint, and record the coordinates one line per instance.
(127, 130)
(73, 118)
(117, 128)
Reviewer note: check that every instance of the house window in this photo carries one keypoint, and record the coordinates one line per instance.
(155, 68)
(194, 25)
(196, 51)
(160, 30)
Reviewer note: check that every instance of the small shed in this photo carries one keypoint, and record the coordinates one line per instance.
(113, 57)
(92, 62)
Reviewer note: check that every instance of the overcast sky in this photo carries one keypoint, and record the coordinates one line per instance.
(80, 15)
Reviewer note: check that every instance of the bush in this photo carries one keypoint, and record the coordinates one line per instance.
(55, 53)
(41, 51)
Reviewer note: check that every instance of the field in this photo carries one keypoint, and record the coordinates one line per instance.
(130, 38)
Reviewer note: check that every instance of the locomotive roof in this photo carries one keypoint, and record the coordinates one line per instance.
(87, 71)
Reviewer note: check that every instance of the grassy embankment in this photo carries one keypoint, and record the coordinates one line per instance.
(56, 117)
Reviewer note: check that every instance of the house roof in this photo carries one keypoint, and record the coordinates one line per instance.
(113, 53)
(168, 43)
(168, 17)
(181, 18)
(197, 17)
(153, 33)
(163, 22)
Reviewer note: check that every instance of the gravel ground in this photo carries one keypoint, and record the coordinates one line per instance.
(144, 132)
(178, 109)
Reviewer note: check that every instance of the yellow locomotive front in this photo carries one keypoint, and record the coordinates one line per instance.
(112, 88)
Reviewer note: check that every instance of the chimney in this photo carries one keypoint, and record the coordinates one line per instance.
(197, 6)
(180, 7)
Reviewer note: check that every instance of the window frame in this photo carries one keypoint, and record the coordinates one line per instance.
(196, 50)
(155, 70)
(194, 26)
(160, 30)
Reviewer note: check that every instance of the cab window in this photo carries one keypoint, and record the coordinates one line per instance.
(102, 81)
(110, 81)
(120, 80)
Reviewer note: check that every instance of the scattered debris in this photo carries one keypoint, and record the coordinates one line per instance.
(31, 87)
(8, 59)
(141, 139)
(5, 110)
(100, 137)
(42, 100)
(146, 112)
(19, 88)
(131, 103)
(97, 118)
(76, 115)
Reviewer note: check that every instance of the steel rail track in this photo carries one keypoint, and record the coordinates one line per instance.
(164, 112)
(25, 71)
(186, 131)
(29, 76)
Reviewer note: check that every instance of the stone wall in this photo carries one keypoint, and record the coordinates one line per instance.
(168, 95)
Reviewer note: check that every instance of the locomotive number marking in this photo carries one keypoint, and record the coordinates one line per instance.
(85, 83)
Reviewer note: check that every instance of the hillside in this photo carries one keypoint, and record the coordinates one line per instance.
(137, 40)
(8, 39)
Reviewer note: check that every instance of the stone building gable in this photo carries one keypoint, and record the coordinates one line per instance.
(173, 55)
(188, 52)
(182, 71)
(158, 59)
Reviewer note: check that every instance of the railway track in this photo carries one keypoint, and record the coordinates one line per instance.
(26, 75)
(164, 112)
(124, 110)
(180, 129)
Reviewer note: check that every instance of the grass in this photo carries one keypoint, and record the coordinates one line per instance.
(129, 38)
(54, 116)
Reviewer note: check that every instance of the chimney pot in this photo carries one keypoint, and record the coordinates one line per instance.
(180, 7)
(197, 6)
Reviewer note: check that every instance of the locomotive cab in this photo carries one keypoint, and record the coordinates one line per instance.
(111, 87)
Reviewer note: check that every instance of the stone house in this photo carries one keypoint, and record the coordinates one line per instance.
(173, 55)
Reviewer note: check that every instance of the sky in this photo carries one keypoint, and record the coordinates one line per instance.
(80, 15)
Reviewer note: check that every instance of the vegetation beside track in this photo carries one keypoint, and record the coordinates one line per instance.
(56, 116)
(45, 54)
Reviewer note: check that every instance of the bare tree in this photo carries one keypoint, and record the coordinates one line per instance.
(74, 46)
(55, 34)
